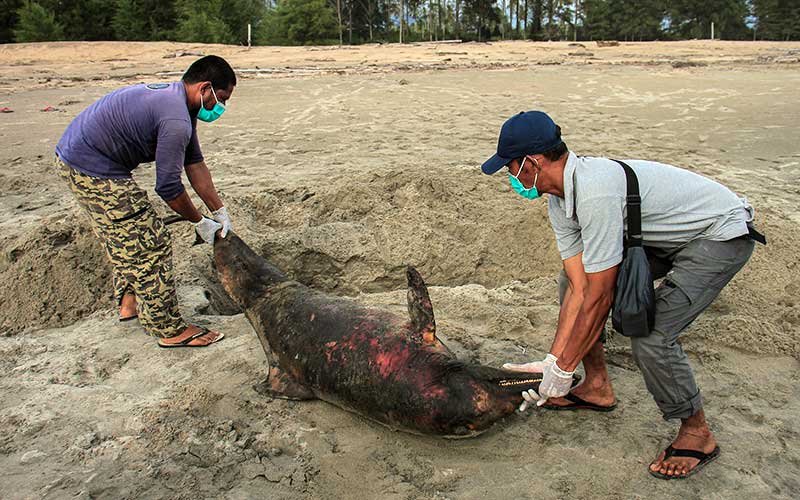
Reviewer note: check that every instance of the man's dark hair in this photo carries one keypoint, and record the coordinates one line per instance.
(557, 152)
(212, 69)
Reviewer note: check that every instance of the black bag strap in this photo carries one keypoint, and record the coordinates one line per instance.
(634, 204)
(755, 235)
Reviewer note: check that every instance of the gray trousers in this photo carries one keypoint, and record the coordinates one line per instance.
(693, 277)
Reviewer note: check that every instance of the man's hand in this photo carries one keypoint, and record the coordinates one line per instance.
(533, 366)
(531, 397)
(206, 228)
(221, 216)
(556, 383)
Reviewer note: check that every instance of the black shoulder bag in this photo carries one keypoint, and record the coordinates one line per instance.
(633, 312)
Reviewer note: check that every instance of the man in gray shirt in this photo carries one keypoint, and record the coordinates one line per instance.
(697, 235)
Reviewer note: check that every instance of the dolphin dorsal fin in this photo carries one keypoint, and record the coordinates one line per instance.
(420, 308)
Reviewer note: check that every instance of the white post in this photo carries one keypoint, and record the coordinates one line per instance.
(503, 22)
(401, 21)
(339, 14)
(248, 35)
(576, 21)
(712, 30)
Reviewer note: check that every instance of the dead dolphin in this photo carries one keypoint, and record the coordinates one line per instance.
(390, 369)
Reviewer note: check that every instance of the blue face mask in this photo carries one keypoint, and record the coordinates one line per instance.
(209, 115)
(516, 185)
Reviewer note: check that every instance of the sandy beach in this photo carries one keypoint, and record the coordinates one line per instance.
(341, 166)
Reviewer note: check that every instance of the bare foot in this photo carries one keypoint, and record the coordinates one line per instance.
(598, 392)
(694, 434)
(596, 387)
(127, 308)
(184, 339)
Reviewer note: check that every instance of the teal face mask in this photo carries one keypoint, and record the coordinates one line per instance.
(209, 115)
(516, 185)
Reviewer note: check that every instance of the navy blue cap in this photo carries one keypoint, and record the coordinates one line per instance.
(526, 133)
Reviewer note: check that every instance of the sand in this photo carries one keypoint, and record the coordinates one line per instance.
(342, 166)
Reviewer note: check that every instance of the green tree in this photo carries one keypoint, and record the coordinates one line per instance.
(8, 19)
(300, 22)
(483, 17)
(623, 19)
(143, 19)
(83, 19)
(37, 24)
(201, 21)
(638, 19)
(131, 21)
(777, 19)
(535, 31)
(692, 19)
(237, 14)
(597, 24)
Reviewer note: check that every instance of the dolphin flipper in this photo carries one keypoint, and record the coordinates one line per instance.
(280, 385)
(420, 308)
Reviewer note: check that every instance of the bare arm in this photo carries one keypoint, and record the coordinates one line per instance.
(590, 318)
(200, 179)
(184, 206)
(571, 305)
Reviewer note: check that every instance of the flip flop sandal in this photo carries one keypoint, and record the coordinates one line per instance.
(128, 318)
(186, 342)
(579, 404)
(704, 459)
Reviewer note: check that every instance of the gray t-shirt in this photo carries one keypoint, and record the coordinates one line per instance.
(678, 206)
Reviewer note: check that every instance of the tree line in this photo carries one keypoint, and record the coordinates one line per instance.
(298, 22)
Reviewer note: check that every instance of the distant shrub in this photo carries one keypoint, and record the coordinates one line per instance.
(299, 22)
(201, 22)
(37, 24)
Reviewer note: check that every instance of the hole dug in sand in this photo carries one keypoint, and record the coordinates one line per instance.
(355, 235)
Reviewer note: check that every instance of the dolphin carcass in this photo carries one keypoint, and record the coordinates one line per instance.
(389, 369)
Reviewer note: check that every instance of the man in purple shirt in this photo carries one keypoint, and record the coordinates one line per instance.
(98, 151)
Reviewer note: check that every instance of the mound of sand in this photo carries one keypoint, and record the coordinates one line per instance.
(55, 274)
(357, 235)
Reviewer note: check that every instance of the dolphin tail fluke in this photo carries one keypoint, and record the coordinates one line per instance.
(420, 308)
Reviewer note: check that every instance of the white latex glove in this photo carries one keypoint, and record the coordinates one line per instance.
(221, 216)
(533, 366)
(555, 384)
(531, 397)
(206, 228)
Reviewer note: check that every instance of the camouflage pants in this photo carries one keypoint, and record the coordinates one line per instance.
(137, 244)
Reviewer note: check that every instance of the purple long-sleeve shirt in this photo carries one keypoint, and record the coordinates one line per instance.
(134, 125)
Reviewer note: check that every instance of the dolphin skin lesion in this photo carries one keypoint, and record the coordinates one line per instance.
(389, 369)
